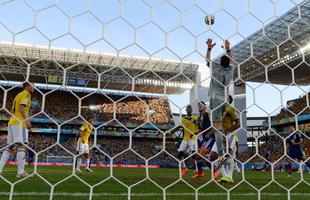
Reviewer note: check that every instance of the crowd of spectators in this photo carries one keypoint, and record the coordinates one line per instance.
(274, 145)
(294, 107)
(64, 105)
(107, 147)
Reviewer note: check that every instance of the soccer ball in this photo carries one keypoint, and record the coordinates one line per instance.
(209, 19)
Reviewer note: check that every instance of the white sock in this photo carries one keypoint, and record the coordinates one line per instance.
(21, 157)
(87, 163)
(78, 163)
(223, 171)
(196, 167)
(230, 167)
(4, 158)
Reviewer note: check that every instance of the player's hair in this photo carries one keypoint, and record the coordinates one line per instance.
(225, 61)
(203, 103)
(26, 84)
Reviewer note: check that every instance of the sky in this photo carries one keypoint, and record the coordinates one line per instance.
(168, 29)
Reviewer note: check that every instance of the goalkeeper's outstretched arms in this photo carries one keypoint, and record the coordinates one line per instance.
(227, 49)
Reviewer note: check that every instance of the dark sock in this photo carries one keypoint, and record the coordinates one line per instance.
(199, 165)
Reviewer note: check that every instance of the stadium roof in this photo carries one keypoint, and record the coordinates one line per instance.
(273, 51)
(115, 72)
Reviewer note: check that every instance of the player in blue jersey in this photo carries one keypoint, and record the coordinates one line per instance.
(294, 149)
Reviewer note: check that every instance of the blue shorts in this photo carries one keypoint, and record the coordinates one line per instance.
(296, 154)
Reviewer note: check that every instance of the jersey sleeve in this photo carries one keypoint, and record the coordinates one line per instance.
(82, 127)
(23, 99)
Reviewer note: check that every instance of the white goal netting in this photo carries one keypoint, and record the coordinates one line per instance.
(126, 71)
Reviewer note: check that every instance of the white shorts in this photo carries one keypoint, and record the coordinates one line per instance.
(231, 143)
(17, 134)
(83, 148)
(187, 146)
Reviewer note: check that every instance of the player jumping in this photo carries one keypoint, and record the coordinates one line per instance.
(83, 146)
(18, 129)
(188, 144)
(222, 75)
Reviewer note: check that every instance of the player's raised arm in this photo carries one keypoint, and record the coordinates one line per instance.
(210, 45)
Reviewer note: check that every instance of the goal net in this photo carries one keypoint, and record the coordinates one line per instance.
(155, 99)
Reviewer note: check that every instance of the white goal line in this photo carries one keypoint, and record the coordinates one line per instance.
(145, 194)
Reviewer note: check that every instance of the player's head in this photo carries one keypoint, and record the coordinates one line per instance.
(90, 120)
(225, 61)
(202, 106)
(230, 99)
(292, 129)
(189, 110)
(28, 86)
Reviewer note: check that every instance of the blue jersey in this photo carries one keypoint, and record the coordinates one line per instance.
(204, 124)
(294, 150)
(295, 137)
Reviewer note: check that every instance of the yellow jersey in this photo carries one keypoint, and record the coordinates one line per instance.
(230, 115)
(85, 133)
(190, 126)
(22, 98)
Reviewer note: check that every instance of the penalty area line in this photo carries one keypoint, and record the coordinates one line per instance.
(145, 194)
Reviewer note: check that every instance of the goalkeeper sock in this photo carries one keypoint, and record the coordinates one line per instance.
(4, 158)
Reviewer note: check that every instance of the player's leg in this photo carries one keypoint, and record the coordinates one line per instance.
(204, 151)
(289, 168)
(87, 155)
(7, 152)
(220, 170)
(237, 168)
(199, 158)
(181, 155)
(21, 151)
(230, 159)
(217, 112)
(5, 157)
(79, 158)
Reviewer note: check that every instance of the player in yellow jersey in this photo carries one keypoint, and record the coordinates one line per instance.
(230, 123)
(83, 145)
(188, 144)
(18, 129)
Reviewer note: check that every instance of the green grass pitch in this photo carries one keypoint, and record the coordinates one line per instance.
(68, 186)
